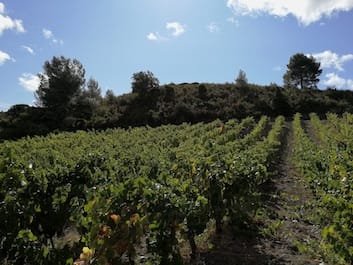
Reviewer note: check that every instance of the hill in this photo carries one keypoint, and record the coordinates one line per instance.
(173, 104)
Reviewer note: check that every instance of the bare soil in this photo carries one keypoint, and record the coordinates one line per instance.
(283, 233)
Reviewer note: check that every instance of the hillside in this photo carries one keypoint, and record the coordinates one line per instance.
(173, 104)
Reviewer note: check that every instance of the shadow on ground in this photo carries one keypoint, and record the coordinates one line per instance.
(284, 200)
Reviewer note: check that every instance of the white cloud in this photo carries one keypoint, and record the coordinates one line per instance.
(29, 81)
(213, 27)
(28, 49)
(176, 28)
(8, 23)
(152, 36)
(5, 57)
(155, 36)
(305, 11)
(333, 80)
(3, 105)
(233, 21)
(49, 35)
(329, 59)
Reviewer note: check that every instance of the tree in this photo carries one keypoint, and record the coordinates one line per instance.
(280, 104)
(241, 79)
(144, 82)
(302, 71)
(169, 93)
(86, 104)
(202, 91)
(62, 81)
(109, 97)
(93, 89)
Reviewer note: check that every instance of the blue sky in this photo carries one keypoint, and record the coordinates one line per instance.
(178, 40)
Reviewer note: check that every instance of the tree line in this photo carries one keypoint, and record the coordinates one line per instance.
(65, 100)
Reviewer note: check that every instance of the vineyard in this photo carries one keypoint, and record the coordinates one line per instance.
(161, 195)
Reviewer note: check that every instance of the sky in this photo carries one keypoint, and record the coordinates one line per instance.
(178, 40)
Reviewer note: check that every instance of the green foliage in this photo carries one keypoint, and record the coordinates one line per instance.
(61, 81)
(143, 82)
(302, 71)
(328, 168)
(126, 195)
(175, 104)
(86, 106)
(68, 105)
(241, 79)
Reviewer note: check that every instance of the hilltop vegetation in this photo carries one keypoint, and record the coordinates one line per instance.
(175, 104)
(66, 102)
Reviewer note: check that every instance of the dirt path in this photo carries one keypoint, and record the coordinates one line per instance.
(285, 232)
(291, 230)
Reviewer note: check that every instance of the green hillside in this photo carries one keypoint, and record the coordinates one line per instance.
(173, 104)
